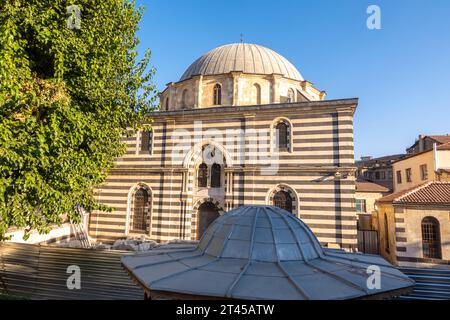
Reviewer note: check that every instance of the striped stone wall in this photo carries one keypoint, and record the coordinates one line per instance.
(317, 171)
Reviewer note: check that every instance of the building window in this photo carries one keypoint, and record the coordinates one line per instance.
(386, 233)
(282, 135)
(423, 172)
(215, 175)
(184, 97)
(382, 175)
(377, 175)
(147, 141)
(140, 210)
(217, 94)
(408, 175)
(399, 176)
(202, 176)
(360, 205)
(257, 93)
(390, 175)
(290, 96)
(431, 238)
(283, 200)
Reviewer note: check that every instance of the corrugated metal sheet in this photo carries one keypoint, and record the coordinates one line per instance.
(431, 284)
(40, 272)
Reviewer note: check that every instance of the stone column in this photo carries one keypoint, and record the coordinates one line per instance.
(235, 76)
(275, 88)
(229, 190)
(199, 92)
(172, 96)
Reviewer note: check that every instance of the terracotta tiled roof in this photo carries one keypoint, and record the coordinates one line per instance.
(367, 186)
(434, 192)
(441, 139)
(445, 146)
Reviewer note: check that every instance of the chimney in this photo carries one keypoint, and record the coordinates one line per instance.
(421, 142)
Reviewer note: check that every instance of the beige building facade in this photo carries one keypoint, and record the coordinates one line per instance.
(430, 164)
(241, 126)
(414, 226)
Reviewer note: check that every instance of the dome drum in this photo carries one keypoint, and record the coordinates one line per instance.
(247, 74)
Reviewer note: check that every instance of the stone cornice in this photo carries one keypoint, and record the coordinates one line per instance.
(309, 106)
(318, 169)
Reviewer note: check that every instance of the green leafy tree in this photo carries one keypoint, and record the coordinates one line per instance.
(69, 91)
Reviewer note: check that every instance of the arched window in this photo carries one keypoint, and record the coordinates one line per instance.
(202, 176)
(215, 175)
(386, 233)
(167, 103)
(282, 134)
(257, 93)
(140, 210)
(184, 99)
(290, 96)
(283, 200)
(217, 94)
(431, 238)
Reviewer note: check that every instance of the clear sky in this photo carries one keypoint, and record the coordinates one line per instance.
(401, 73)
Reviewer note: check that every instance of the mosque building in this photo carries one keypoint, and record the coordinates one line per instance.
(240, 127)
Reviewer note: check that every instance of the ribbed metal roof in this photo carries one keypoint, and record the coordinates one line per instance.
(261, 252)
(245, 57)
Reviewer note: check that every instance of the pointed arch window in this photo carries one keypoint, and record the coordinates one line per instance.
(167, 104)
(431, 238)
(215, 175)
(202, 176)
(282, 134)
(283, 200)
(140, 210)
(217, 94)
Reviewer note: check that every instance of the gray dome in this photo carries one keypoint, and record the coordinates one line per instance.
(261, 252)
(260, 233)
(245, 57)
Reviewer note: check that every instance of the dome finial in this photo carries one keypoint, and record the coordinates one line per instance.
(242, 38)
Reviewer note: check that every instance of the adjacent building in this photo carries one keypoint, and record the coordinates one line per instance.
(423, 164)
(241, 126)
(414, 225)
(425, 143)
(377, 170)
(366, 195)
(413, 222)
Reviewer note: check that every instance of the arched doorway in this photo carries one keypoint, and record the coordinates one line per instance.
(207, 213)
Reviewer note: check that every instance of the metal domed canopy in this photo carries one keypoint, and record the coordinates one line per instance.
(260, 252)
(260, 233)
(246, 57)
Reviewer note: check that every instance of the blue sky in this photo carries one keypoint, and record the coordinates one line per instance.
(401, 73)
